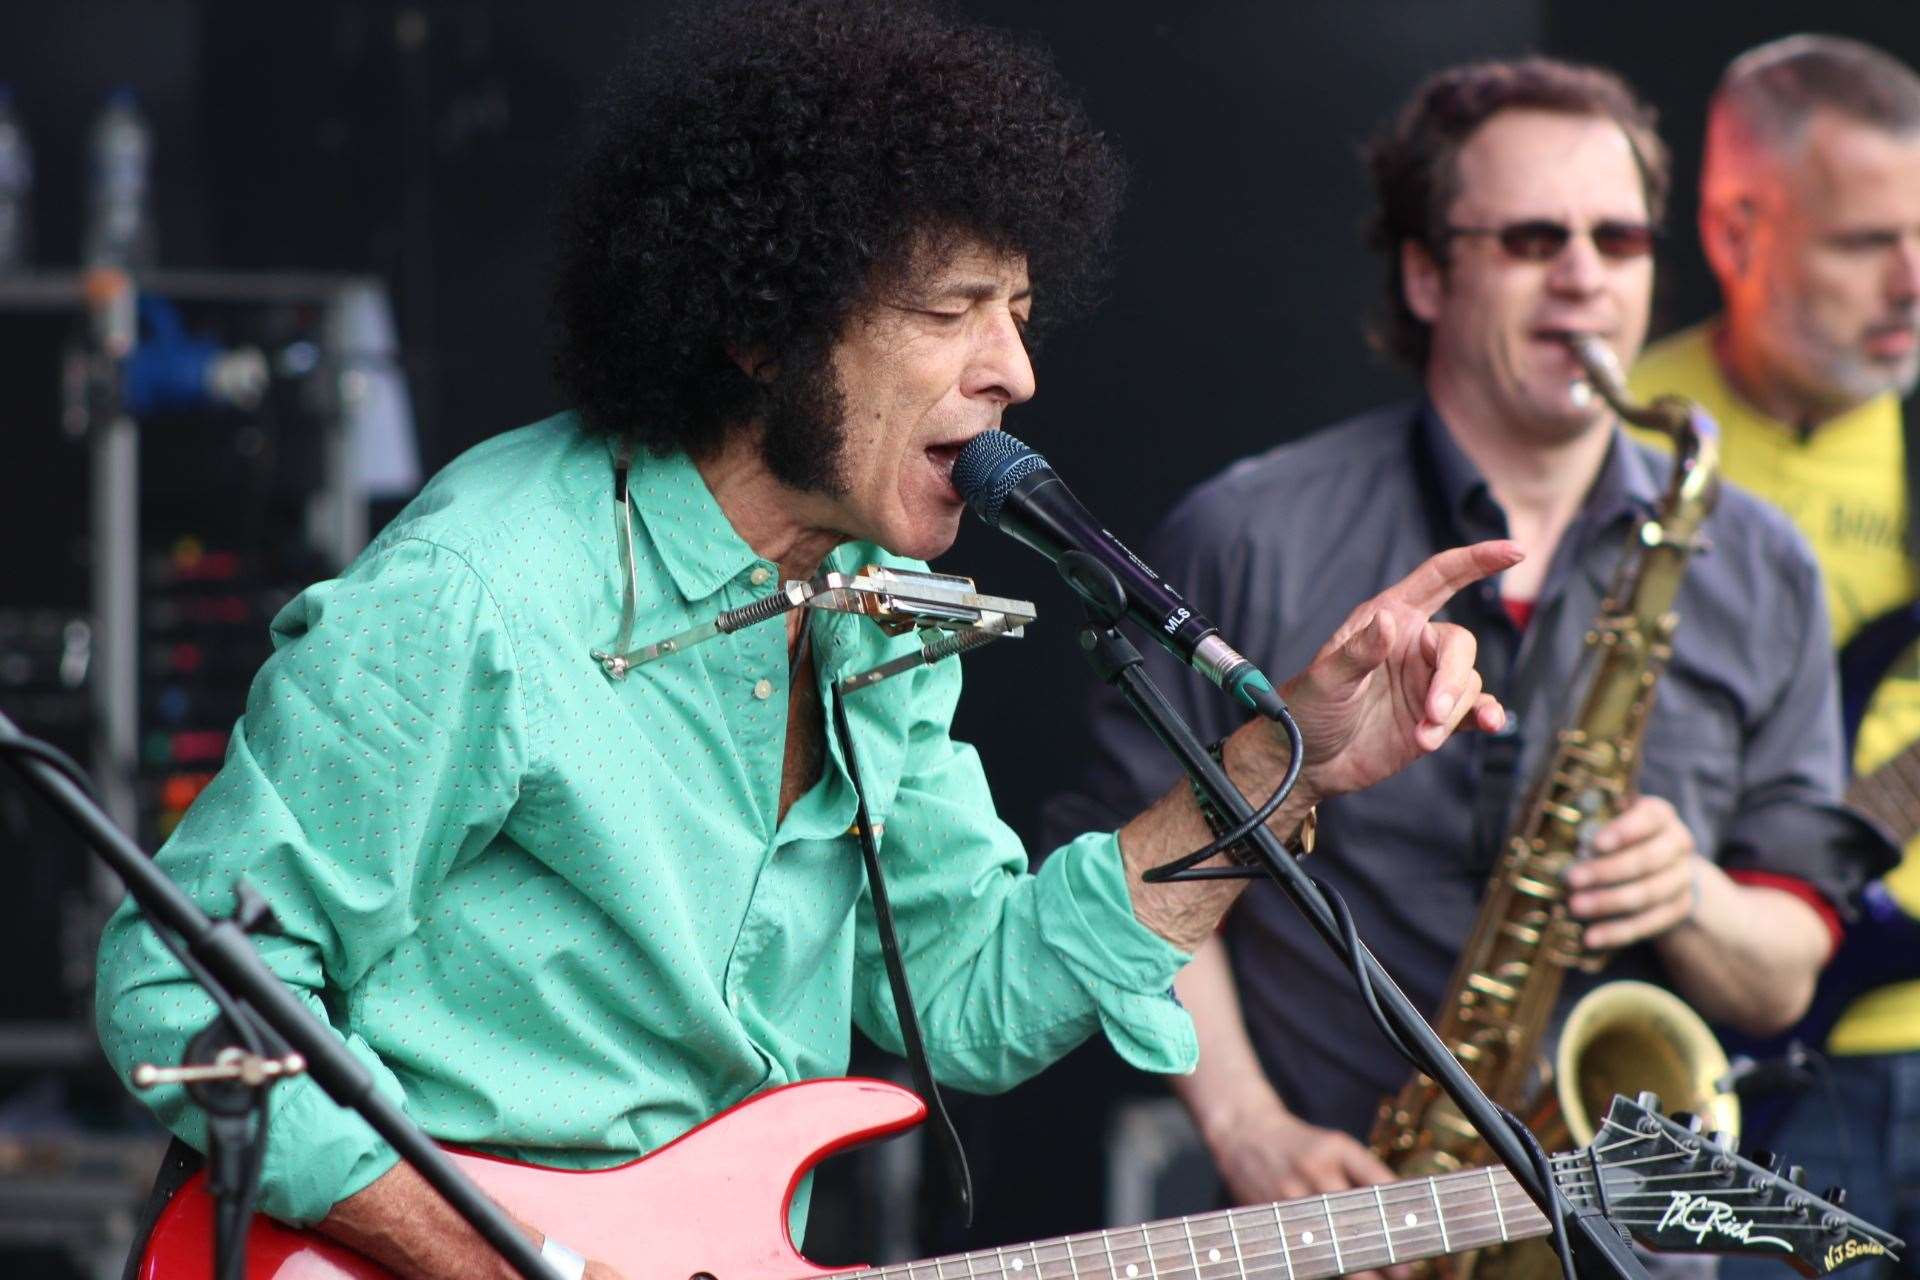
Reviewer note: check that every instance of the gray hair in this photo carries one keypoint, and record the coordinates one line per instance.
(1767, 95)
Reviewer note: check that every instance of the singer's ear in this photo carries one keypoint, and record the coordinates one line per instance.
(755, 363)
(1421, 280)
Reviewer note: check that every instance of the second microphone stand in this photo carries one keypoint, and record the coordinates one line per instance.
(1598, 1250)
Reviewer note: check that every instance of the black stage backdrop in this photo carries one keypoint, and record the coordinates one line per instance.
(424, 141)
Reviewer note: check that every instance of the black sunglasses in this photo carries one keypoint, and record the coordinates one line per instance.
(1543, 240)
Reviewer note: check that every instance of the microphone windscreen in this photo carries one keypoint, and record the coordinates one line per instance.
(988, 468)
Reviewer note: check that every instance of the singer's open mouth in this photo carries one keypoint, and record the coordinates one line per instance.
(943, 456)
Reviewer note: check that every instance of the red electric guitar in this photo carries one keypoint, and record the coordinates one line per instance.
(713, 1206)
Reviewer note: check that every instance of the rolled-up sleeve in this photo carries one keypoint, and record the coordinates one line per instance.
(1010, 969)
(1788, 821)
(382, 742)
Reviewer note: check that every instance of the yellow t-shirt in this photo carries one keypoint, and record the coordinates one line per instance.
(1845, 487)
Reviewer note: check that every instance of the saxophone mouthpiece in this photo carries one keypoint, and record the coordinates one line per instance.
(1597, 356)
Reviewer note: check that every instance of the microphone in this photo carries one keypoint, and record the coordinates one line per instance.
(1013, 489)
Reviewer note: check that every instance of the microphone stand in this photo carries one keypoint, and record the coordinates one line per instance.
(1598, 1249)
(219, 955)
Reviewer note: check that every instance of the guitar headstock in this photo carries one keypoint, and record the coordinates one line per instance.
(1680, 1190)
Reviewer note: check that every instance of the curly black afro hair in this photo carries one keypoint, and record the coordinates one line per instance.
(764, 167)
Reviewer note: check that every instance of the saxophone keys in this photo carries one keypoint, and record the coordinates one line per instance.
(1488, 986)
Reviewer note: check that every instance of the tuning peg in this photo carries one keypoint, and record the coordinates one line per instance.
(1766, 1159)
(1648, 1100)
(1797, 1175)
(1835, 1195)
(1688, 1121)
(1722, 1139)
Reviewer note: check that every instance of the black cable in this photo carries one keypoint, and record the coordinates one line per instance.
(1543, 1169)
(1185, 867)
(50, 755)
(1356, 965)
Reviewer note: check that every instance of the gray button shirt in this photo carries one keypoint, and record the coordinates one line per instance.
(1744, 738)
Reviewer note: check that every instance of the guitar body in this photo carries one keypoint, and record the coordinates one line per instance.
(715, 1200)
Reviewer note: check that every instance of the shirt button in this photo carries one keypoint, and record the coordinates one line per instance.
(759, 579)
(763, 689)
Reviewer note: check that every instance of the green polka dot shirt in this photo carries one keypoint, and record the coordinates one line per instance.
(556, 914)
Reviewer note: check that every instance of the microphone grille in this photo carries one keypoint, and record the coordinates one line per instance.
(988, 468)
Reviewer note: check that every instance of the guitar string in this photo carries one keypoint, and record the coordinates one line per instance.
(1363, 1237)
(1259, 1231)
(1247, 1263)
(1233, 1231)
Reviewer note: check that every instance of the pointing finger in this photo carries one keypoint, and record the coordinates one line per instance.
(1440, 576)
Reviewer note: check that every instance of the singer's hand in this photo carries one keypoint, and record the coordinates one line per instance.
(1392, 684)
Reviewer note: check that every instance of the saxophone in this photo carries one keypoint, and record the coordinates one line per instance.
(1624, 1036)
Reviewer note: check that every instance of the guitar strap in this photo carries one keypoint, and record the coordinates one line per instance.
(951, 1150)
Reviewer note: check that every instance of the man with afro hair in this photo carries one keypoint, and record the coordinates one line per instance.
(566, 912)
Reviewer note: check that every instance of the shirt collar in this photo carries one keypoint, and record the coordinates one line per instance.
(690, 534)
(1626, 486)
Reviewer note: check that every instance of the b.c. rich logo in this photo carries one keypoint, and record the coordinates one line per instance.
(1705, 1216)
(1839, 1255)
(1174, 619)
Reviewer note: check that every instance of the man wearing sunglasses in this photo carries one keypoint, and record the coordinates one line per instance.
(1810, 218)
(1516, 206)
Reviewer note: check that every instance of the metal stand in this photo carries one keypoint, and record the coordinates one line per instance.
(1598, 1251)
(221, 957)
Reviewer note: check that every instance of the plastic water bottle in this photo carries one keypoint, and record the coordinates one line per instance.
(120, 153)
(16, 188)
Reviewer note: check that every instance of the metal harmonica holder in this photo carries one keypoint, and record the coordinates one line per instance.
(233, 1064)
(946, 609)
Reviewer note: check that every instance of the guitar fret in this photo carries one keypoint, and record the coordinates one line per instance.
(1380, 1206)
(1286, 1254)
(1499, 1216)
(1333, 1235)
(1239, 1255)
(1147, 1240)
(1073, 1268)
(1186, 1229)
(1439, 1214)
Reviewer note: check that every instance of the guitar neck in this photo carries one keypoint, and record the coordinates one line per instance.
(1297, 1240)
(1890, 795)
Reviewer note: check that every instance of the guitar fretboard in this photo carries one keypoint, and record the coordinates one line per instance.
(1299, 1240)
(1890, 795)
